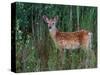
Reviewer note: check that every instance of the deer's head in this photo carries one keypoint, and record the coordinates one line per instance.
(51, 22)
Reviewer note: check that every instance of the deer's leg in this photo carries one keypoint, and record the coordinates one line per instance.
(61, 54)
(64, 56)
(61, 58)
(87, 42)
(87, 46)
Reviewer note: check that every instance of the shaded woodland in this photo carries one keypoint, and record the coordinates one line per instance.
(35, 49)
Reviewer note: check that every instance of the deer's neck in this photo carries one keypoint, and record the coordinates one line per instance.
(53, 32)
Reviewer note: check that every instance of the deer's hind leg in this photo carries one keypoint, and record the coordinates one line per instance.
(87, 42)
(87, 45)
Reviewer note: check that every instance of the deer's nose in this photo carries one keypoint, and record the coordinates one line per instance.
(50, 27)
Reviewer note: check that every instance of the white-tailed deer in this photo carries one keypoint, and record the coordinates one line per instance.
(68, 40)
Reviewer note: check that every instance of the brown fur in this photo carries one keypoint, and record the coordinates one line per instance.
(63, 39)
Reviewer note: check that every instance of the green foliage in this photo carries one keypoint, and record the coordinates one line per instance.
(36, 51)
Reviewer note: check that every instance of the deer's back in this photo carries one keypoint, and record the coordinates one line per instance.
(71, 40)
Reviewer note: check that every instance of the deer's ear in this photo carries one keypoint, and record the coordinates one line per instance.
(45, 18)
(56, 18)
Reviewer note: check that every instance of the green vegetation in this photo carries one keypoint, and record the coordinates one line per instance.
(36, 51)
